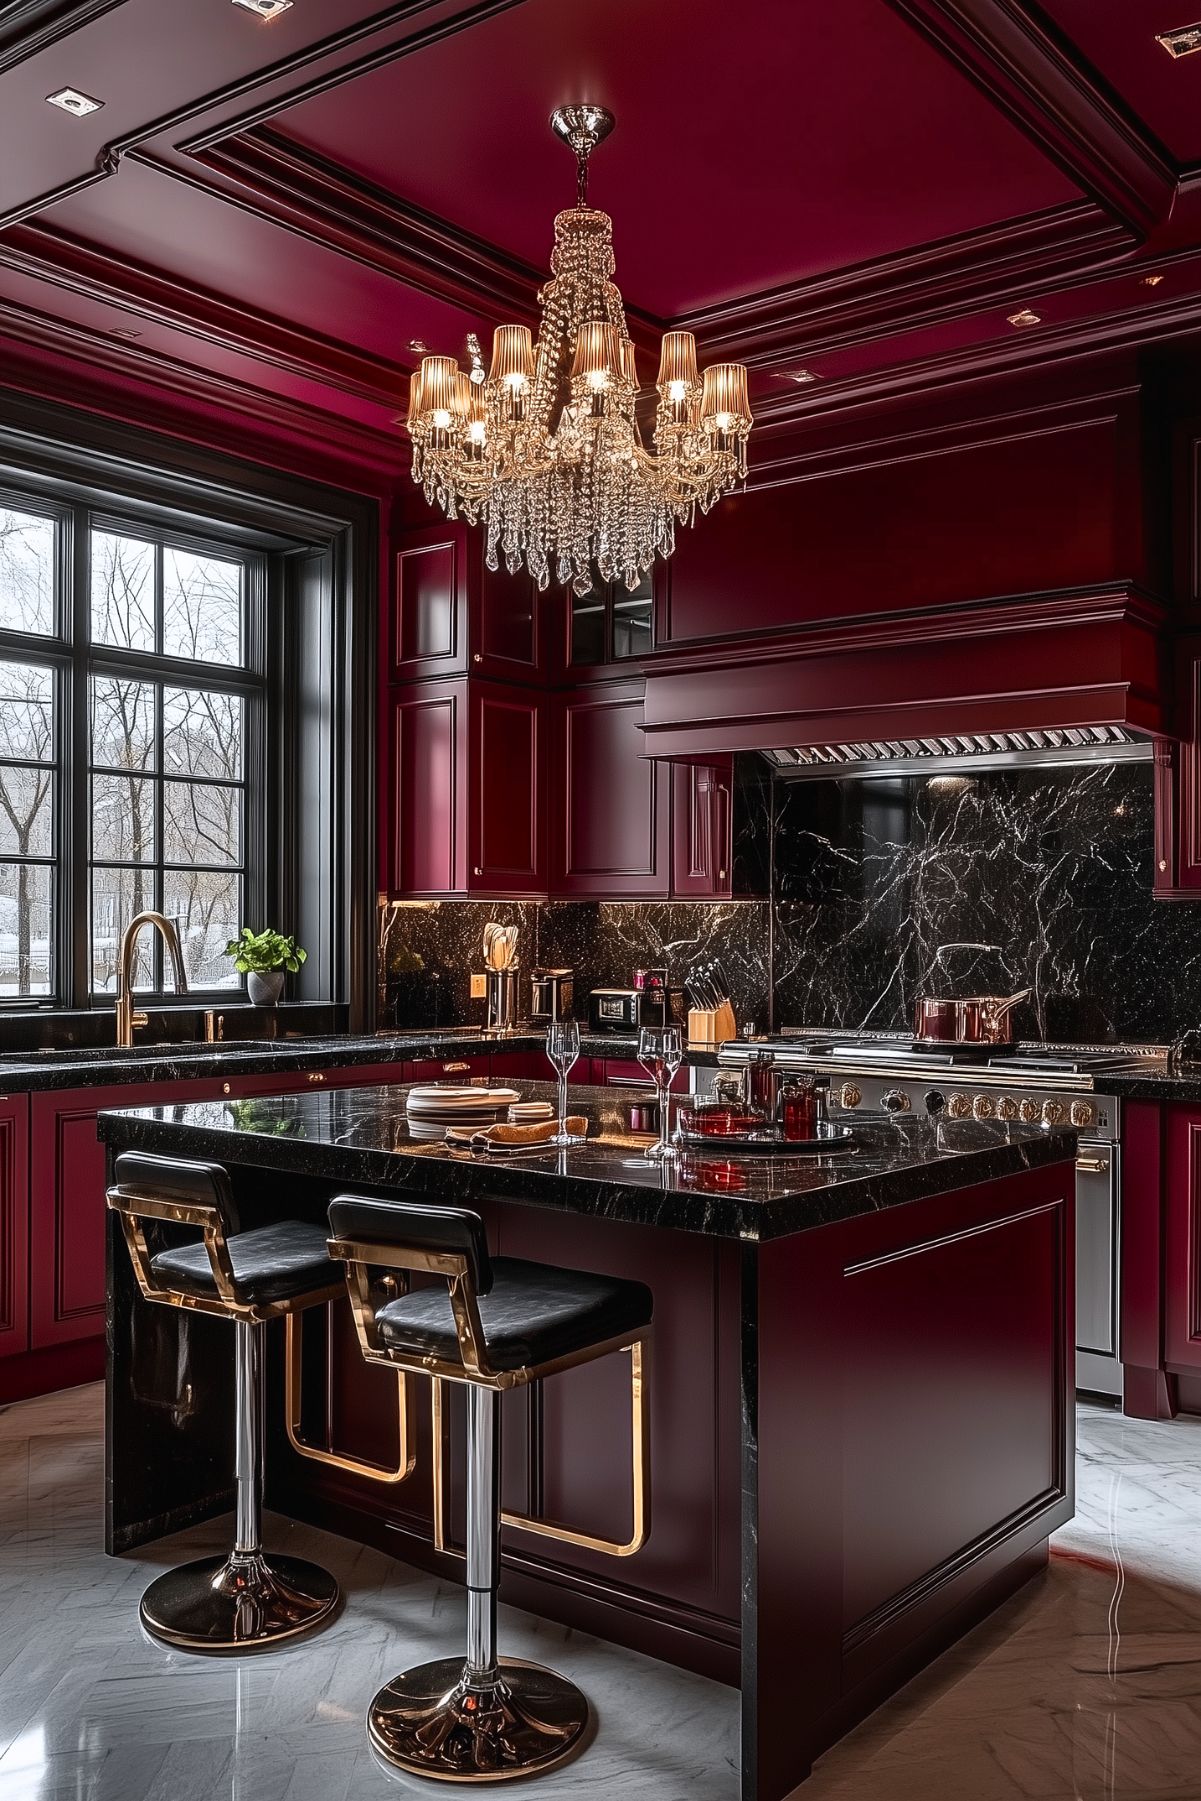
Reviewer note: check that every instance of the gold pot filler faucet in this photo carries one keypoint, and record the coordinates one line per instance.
(127, 1019)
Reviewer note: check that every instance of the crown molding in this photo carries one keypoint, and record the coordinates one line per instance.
(976, 363)
(911, 288)
(266, 174)
(27, 26)
(77, 267)
(149, 385)
(1060, 103)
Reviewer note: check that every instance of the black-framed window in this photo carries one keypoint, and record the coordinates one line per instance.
(134, 707)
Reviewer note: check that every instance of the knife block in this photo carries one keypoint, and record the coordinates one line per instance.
(710, 1026)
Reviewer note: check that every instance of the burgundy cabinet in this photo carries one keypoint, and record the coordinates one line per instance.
(450, 614)
(466, 813)
(1182, 1238)
(702, 846)
(14, 1224)
(612, 804)
(1178, 783)
(67, 1207)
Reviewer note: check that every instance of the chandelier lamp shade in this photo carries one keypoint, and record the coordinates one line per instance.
(545, 446)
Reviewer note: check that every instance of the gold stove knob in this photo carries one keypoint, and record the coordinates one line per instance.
(983, 1107)
(1029, 1111)
(849, 1095)
(1083, 1113)
(1007, 1107)
(959, 1106)
(1052, 1112)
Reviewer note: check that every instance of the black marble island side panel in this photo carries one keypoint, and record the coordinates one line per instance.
(363, 1135)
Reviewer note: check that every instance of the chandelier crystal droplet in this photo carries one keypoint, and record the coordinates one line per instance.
(546, 449)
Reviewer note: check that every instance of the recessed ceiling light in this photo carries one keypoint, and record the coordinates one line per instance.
(124, 331)
(419, 345)
(1026, 317)
(266, 9)
(70, 100)
(1180, 43)
(801, 375)
(1150, 281)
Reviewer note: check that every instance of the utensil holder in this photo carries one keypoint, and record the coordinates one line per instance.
(710, 1026)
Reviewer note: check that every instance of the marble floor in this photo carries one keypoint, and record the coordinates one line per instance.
(1085, 1687)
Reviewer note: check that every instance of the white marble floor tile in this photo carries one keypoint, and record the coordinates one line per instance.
(1084, 1687)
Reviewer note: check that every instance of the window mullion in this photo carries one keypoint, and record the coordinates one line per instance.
(74, 782)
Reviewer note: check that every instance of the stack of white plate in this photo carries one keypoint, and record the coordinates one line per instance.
(444, 1102)
(528, 1113)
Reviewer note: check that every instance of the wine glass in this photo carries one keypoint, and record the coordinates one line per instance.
(563, 1047)
(660, 1051)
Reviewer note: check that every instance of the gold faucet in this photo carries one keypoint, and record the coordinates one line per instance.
(127, 1019)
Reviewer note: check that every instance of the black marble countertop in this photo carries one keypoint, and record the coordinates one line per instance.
(363, 1135)
(1154, 1083)
(109, 1067)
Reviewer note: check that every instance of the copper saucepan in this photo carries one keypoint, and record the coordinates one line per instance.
(982, 1019)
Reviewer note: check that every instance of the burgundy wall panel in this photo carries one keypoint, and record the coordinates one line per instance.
(997, 507)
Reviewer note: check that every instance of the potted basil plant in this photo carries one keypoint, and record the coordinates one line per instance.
(264, 958)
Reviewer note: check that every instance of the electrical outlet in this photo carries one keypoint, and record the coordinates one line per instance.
(479, 987)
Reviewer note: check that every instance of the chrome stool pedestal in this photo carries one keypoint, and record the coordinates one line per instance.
(485, 1718)
(247, 1600)
(488, 1325)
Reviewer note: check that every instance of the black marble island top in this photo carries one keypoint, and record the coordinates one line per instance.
(363, 1135)
(22, 1072)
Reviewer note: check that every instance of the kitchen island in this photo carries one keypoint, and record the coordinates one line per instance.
(860, 1388)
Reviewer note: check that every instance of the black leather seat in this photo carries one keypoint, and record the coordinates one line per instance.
(533, 1313)
(272, 1263)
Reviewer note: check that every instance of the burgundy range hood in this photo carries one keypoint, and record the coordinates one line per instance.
(1067, 669)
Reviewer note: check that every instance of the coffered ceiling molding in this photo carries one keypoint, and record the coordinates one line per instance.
(28, 26)
(160, 391)
(919, 286)
(1059, 101)
(88, 270)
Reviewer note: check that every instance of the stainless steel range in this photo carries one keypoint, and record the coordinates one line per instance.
(1033, 1084)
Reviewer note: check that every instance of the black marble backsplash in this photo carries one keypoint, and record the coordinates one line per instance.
(882, 890)
(429, 950)
(891, 888)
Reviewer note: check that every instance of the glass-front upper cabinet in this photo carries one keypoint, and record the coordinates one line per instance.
(611, 623)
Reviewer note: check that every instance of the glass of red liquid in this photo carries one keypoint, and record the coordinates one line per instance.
(798, 1110)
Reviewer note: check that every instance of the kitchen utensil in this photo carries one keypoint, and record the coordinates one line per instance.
(552, 995)
(500, 999)
(980, 1019)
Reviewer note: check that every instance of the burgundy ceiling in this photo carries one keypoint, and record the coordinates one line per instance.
(1118, 38)
(849, 146)
(747, 155)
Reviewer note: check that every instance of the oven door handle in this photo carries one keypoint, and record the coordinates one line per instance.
(1092, 1166)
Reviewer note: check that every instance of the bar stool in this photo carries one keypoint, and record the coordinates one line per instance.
(245, 1601)
(497, 1324)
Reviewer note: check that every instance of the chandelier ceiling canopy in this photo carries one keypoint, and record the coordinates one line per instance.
(545, 445)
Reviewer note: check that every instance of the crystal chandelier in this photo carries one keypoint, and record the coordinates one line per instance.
(545, 447)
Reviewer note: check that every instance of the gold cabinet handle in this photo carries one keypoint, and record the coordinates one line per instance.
(1092, 1166)
(225, 1089)
(315, 1075)
(451, 1069)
